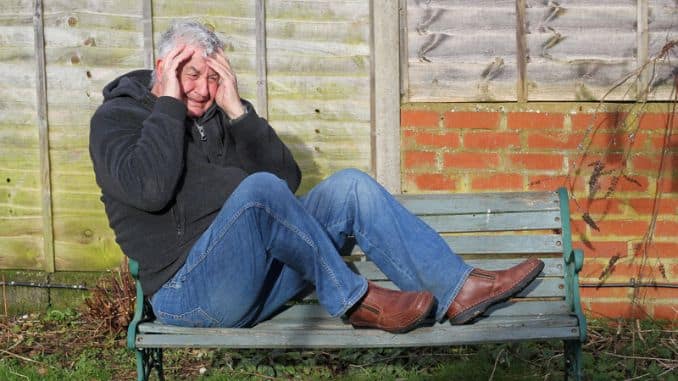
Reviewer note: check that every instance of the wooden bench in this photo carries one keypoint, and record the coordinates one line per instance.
(491, 231)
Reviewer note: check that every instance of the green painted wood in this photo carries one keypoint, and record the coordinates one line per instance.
(573, 261)
(492, 222)
(467, 203)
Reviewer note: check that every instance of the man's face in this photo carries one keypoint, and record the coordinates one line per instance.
(199, 84)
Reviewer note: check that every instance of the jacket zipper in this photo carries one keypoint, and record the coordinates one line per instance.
(201, 131)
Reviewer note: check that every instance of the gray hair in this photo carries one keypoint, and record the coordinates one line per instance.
(191, 33)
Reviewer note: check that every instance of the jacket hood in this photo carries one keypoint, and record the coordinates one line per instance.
(135, 84)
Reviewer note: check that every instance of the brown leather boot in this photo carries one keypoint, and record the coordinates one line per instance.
(390, 310)
(484, 288)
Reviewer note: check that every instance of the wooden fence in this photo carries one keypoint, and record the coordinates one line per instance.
(304, 65)
(328, 74)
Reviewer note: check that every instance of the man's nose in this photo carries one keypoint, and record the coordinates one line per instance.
(201, 86)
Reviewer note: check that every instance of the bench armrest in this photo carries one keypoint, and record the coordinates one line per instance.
(140, 310)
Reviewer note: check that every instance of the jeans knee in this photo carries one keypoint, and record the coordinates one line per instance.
(350, 177)
(262, 186)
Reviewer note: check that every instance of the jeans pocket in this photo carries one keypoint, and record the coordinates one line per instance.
(196, 317)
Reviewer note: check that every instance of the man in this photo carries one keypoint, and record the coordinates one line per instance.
(200, 191)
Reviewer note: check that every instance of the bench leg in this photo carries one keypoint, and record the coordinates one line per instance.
(573, 360)
(147, 360)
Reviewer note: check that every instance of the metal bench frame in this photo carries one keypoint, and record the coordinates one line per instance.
(488, 229)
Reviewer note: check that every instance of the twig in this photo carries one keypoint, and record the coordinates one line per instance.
(4, 294)
(19, 374)
(658, 359)
(23, 358)
(496, 361)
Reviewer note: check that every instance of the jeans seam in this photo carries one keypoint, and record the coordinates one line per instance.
(182, 315)
(389, 259)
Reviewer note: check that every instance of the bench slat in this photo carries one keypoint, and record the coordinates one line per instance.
(271, 336)
(523, 308)
(480, 202)
(553, 267)
(539, 288)
(506, 244)
(494, 222)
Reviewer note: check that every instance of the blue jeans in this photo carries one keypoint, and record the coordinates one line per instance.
(266, 246)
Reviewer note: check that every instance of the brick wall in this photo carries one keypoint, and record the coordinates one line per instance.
(610, 156)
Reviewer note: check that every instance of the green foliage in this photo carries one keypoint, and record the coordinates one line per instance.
(60, 345)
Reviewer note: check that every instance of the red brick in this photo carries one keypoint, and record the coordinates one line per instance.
(625, 271)
(668, 185)
(578, 228)
(666, 311)
(666, 229)
(500, 182)
(547, 183)
(416, 118)
(625, 228)
(656, 121)
(427, 139)
(658, 292)
(491, 140)
(657, 250)
(536, 120)
(466, 160)
(658, 141)
(554, 141)
(599, 121)
(415, 159)
(609, 160)
(597, 206)
(651, 163)
(645, 205)
(614, 310)
(537, 161)
(472, 119)
(591, 269)
(606, 249)
(609, 141)
(605, 292)
(434, 181)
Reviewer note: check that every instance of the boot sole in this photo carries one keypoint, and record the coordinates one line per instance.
(477, 310)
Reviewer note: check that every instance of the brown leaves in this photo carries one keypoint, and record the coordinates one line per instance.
(111, 305)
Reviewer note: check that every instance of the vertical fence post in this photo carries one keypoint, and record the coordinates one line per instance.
(643, 38)
(262, 76)
(385, 95)
(521, 51)
(147, 22)
(43, 138)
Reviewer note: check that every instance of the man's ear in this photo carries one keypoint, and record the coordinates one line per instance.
(158, 68)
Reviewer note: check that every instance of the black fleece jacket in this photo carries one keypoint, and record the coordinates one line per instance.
(165, 176)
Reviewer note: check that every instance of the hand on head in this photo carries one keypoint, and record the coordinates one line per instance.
(169, 69)
(227, 96)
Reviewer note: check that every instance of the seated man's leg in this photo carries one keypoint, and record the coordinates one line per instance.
(241, 268)
(405, 248)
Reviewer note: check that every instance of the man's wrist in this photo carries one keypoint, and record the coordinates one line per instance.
(238, 116)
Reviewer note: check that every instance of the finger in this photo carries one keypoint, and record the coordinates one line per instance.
(223, 71)
(183, 55)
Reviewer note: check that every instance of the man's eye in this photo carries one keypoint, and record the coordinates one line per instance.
(192, 76)
(213, 78)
